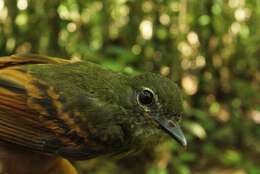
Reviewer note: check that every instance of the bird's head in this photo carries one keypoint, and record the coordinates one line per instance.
(157, 106)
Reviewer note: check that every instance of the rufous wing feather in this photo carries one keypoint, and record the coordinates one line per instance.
(24, 118)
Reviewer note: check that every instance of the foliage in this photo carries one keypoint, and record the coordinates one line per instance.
(211, 47)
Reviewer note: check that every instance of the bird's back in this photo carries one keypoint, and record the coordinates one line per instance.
(24, 139)
(44, 101)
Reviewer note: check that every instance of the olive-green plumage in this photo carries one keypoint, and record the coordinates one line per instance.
(81, 110)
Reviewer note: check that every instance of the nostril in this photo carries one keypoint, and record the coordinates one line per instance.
(171, 123)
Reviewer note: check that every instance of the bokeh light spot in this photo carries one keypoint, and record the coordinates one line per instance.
(2, 4)
(71, 27)
(165, 70)
(255, 116)
(193, 38)
(146, 29)
(200, 61)
(22, 4)
(190, 84)
(21, 19)
(164, 19)
(136, 49)
(185, 49)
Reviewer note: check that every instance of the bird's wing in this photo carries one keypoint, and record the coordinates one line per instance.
(24, 59)
(30, 114)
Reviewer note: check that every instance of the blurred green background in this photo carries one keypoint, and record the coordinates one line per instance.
(210, 47)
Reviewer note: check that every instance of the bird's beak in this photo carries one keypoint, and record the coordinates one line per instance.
(173, 129)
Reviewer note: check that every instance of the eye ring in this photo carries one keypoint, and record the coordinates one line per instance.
(145, 97)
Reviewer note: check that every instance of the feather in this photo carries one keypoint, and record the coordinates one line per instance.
(30, 113)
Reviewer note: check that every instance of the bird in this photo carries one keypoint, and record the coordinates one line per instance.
(54, 110)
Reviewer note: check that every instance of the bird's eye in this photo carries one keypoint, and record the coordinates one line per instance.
(145, 97)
